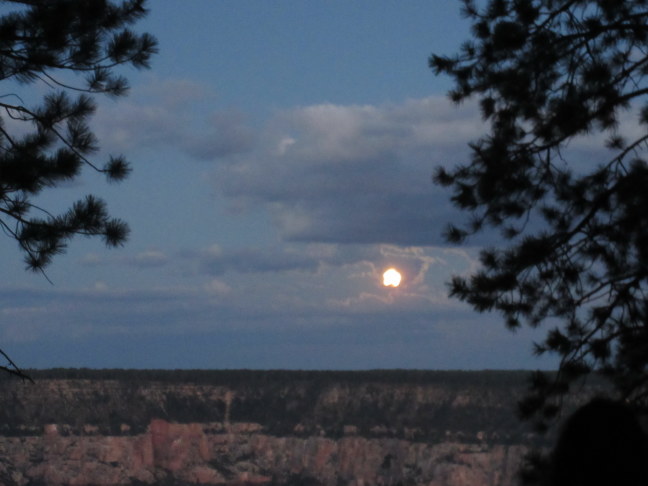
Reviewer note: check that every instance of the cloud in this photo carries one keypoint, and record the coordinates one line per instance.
(149, 258)
(162, 114)
(224, 134)
(144, 259)
(286, 287)
(218, 287)
(337, 281)
(312, 286)
(321, 302)
(326, 173)
(353, 174)
(255, 260)
(348, 174)
(311, 258)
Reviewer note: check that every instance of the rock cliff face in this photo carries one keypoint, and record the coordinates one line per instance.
(232, 428)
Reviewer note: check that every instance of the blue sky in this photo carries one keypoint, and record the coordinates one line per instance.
(282, 154)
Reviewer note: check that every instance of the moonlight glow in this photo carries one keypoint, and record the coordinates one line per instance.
(391, 278)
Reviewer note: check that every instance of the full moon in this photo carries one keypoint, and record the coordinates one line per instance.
(391, 278)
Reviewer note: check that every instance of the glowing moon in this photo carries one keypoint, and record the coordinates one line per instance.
(391, 278)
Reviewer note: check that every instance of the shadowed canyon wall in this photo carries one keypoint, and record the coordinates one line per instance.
(115, 427)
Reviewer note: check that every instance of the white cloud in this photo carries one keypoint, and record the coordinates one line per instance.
(149, 258)
(144, 259)
(335, 173)
(91, 259)
(218, 287)
(284, 144)
(162, 114)
(321, 279)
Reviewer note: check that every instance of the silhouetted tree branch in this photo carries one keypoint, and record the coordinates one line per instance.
(575, 236)
(41, 44)
(45, 144)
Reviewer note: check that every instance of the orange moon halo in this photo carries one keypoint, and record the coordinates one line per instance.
(391, 278)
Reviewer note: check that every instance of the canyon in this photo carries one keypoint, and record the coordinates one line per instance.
(274, 428)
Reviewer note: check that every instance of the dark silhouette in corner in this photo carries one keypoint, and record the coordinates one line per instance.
(602, 443)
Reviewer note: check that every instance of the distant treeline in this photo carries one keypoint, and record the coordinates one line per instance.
(421, 405)
(490, 378)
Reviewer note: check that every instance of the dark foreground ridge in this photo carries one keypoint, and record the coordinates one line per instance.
(234, 427)
(432, 402)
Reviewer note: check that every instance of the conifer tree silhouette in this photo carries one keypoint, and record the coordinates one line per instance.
(40, 44)
(574, 248)
(43, 145)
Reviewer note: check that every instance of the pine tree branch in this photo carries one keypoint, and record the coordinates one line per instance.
(13, 369)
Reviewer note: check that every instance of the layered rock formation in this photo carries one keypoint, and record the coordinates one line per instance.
(263, 428)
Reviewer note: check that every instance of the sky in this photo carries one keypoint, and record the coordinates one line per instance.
(282, 155)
